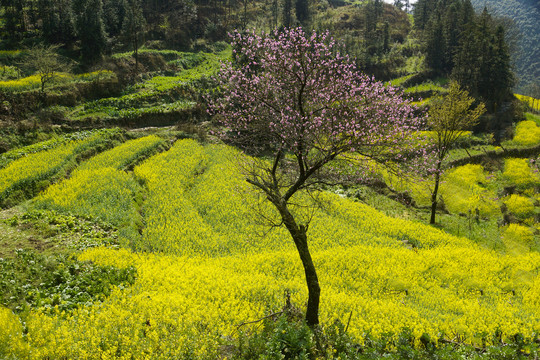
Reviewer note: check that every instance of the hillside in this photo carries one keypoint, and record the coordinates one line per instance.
(525, 31)
(203, 266)
(128, 229)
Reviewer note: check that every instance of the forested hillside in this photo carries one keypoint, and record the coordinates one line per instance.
(524, 28)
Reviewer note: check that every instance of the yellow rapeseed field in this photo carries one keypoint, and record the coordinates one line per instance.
(206, 267)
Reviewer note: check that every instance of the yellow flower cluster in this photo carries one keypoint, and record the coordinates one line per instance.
(527, 133)
(532, 102)
(181, 304)
(11, 336)
(99, 189)
(519, 172)
(123, 154)
(464, 190)
(213, 269)
(519, 205)
(517, 238)
(34, 81)
(34, 167)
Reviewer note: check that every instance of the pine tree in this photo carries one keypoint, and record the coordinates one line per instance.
(114, 12)
(287, 16)
(90, 28)
(422, 13)
(302, 11)
(435, 45)
(482, 62)
(502, 76)
(133, 27)
(13, 18)
(57, 19)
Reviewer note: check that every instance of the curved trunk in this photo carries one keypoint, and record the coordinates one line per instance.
(434, 194)
(298, 233)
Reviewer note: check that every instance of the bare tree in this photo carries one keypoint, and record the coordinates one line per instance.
(44, 60)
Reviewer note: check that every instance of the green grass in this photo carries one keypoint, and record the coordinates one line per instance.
(533, 117)
(159, 94)
(427, 86)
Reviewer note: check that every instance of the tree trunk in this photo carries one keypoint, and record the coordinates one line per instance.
(434, 194)
(298, 233)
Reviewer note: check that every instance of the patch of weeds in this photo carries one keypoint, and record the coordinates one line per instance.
(65, 231)
(57, 282)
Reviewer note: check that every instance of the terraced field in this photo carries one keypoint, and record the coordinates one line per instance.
(203, 265)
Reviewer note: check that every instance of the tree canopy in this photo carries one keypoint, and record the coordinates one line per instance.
(296, 100)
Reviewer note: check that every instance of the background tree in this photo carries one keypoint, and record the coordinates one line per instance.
(449, 118)
(114, 12)
(297, 100)
(287, 13)
(14, 18)
(482, 62)
(302, 11)
(90, 28)
(133, 27)
(57, 21)
(45, 62)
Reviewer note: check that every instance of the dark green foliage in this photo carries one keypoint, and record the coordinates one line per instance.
(443, 27)
(482, 62)
(302, 11)
(286, 13)
(283, 337)
(423, 10)
(14, 23)
(90, 28)
(525, 15)
(58, 21)
(114, 13)
(32, 280)
(471, 48)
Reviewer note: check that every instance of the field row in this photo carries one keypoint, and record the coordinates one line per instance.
(27, 175)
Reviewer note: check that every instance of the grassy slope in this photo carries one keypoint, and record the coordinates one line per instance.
(213, 270)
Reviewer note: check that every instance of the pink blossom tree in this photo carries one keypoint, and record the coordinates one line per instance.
(299, 105)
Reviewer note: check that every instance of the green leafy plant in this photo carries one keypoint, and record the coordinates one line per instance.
(32, 280)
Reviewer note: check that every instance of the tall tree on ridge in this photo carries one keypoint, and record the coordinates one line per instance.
(302, 11)
(133, 27)
(90, 28)
(287, 13)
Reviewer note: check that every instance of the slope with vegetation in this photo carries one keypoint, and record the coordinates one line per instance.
(134, 244)
(522, 19)
(189, 296)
